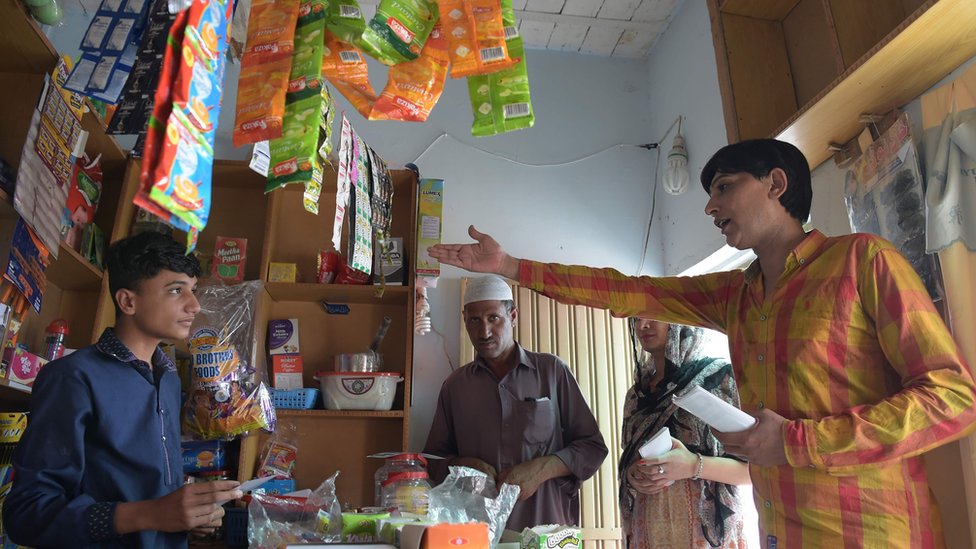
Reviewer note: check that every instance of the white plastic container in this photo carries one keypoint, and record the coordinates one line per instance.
(358, 390)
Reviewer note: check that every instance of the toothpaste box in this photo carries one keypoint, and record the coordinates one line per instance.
(283, 337)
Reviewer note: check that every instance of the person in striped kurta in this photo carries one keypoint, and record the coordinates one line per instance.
(836, 348)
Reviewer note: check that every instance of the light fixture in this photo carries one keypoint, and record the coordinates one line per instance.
(676, 176)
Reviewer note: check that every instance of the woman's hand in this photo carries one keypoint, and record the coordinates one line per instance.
(650, 476)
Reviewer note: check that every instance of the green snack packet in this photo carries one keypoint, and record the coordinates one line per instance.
(399, 30)
(361, 527)
(500, 101)
(345, 20)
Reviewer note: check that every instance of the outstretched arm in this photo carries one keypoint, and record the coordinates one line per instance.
(486, 256)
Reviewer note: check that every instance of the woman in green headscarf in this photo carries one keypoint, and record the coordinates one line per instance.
(685, 498)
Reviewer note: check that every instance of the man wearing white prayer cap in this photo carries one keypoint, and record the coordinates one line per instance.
(516, 415)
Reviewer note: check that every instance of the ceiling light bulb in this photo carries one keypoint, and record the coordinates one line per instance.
(676, 176)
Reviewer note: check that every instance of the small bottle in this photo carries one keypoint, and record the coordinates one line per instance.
(56, 331)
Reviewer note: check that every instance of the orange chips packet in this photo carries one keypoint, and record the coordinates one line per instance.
(265, 65)
(345, 67)
(413, 88)
(475, 36)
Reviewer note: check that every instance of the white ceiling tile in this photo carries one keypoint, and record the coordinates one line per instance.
(545, 6)
(518, 5)
(618, 9)
(582, 8)
(567, 37)
(634, 43)
(600, 41)
(656, 10)
(535, 34)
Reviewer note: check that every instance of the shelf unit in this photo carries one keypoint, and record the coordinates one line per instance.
(805, 70)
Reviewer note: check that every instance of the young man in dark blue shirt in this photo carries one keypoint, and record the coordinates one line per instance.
(100, 463)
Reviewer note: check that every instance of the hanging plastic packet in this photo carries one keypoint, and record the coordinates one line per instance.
(475, 33)
(413, 88)
(265, 66)
(343, 182)
(382, 196)
(238, 29)
(313, 187)
(501, 101)
(345, 20)
(399, 30)
(294, 156)
(227, 396)
(361, 231)
(280, 453)
(343, 64)
(182, 177)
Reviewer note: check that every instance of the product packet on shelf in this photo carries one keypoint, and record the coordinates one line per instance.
(345, 20)
(265, 65)
(313, 187)
(430, 211)
(361, 231)
(83, 196)
(294, 156)
(182, 177)
(399, 29)
(344, 66)
(343, 182)
(475, 34)
(414, 87)
(229, 259)
(501, 101)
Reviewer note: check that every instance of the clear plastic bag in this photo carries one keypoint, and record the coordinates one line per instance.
(468, 495)
(276, 521)
(227, 397)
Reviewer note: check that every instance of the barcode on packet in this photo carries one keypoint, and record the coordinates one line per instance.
(492, 54)
(511, 32)
(350, 56)
(515, 110)
(345, 10)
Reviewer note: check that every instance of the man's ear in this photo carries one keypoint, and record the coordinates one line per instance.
(778, 183)
(126, 300)
(514, 314)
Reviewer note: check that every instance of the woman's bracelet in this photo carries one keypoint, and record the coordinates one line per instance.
(701, 467)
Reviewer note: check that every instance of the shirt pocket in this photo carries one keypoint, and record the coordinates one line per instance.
(538, 420)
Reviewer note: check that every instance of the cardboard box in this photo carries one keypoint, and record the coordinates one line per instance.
(552, 536)
(283, 337)
(21, 366)
(286, 371)
(282, 272)
(430, 208)
(472, 535)
(388, 261)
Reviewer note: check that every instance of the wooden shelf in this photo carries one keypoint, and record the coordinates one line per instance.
(24, 46)
(340, 414)
(914, 56)
(337, 293)
(14, 396)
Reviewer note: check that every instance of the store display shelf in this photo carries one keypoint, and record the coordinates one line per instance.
(337, 293)
(340, 414)
(11, 390)
(70, 271)
(25, 48)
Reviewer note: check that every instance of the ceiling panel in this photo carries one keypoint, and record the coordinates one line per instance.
(601, 41)
(567, 37)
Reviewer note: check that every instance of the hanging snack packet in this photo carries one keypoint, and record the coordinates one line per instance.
(399, 29)
(413, 88)
(475, 36)
(313, 187)
(344, 66)
(501, 101)
(382, 199)
(265, 65)
(345, 20)
(361, 232)
(294, 156)
(280, 453)
(182, 178)
(343, 182)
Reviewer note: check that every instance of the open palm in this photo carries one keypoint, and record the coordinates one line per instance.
(485, 256)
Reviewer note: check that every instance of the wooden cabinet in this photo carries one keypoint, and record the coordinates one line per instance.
(805, 70)
(74, 286)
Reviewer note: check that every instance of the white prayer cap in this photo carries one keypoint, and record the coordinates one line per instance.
(487, 288)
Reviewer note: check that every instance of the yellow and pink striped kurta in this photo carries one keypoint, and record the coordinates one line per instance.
(850, 348)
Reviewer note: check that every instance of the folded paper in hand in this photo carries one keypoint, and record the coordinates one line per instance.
(659, 444)
(717, 413)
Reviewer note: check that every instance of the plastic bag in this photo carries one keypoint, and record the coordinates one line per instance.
(280, 453)
(275, 521)
(468, 495)
(225, 399)
(413, 88)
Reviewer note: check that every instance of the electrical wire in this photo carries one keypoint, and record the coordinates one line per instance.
(657, 166)
(527, 164)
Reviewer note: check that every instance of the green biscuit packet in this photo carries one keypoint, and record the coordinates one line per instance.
(500, 101)
(345, 20)
(399, 30)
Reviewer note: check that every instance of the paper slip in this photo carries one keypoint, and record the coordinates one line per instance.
(253, 484)
(717, 413)
(659, 444)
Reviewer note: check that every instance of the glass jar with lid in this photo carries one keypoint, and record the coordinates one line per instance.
(398, 463)
(407, 492)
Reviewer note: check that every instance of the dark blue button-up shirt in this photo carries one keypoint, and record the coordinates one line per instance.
(104, 428)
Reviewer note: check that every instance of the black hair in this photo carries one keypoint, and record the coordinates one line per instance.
(136, 258)
(758, 157)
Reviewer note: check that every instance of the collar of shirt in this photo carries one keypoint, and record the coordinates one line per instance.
(800, 255)
(524, 359)
(111, 345)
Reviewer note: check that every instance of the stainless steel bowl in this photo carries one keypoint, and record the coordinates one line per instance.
(358, 362)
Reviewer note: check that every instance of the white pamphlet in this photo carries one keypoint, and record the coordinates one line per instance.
(659, 444)
(717, 413)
